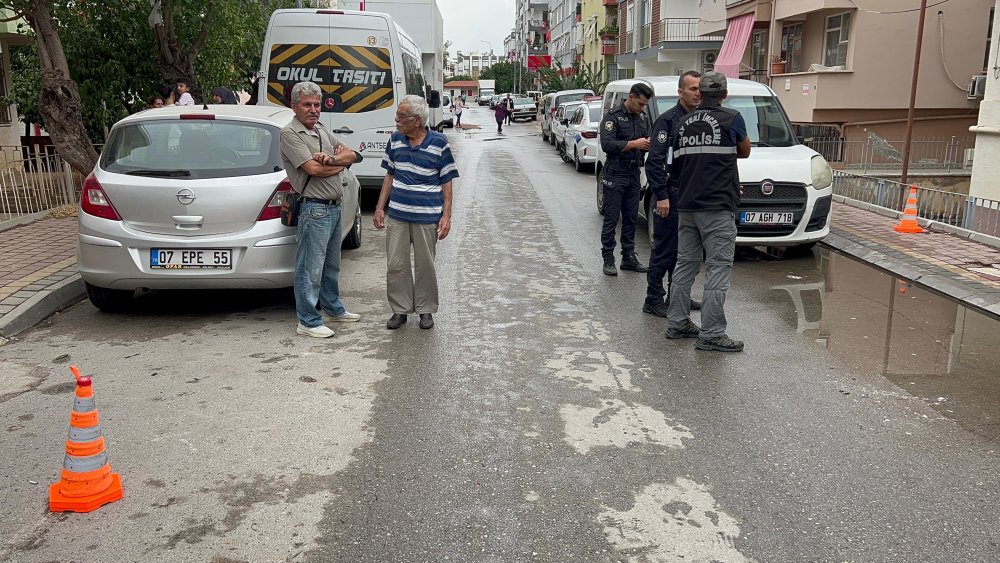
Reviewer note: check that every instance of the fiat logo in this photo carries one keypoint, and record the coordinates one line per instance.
(767, 187)
(186, 196)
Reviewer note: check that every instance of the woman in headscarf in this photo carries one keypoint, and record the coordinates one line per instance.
(222, 95)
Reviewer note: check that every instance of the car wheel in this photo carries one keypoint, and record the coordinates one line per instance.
(353, 239)
(600, 194)
(110, 300)
(545, 137)
(552, 139)
(576, 160)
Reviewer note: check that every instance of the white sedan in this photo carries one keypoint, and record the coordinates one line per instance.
(581, 135)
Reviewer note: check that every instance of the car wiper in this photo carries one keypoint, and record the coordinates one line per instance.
(157, 173)
(761, 144)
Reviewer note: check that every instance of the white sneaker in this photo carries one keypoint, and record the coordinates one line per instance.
(320, 331)
(345, 318)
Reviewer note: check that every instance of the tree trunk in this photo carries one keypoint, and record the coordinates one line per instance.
(172, 60)
(59, 102)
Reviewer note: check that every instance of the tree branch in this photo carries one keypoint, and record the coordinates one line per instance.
(206, 26)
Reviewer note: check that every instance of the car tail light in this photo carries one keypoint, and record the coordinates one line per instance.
(273, 208)
(93, 200)
(331, 12)
(206, 116)
(588, 134)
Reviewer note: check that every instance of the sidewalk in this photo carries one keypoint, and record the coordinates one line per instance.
(38, 274)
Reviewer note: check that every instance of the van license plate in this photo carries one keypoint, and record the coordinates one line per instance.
(766, 218)
(191, 258)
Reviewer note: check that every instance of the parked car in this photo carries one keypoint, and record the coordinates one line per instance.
(524, 108)
(551, 105)
(558, 135)
(581, 135)
(787, 187)
(447, 111)
(189, 198)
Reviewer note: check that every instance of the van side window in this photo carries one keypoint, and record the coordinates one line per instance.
(412, 77)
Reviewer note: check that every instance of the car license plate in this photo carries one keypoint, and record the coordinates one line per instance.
(191, 258)
(766, 218)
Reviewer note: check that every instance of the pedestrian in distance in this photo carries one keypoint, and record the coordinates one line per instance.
(705, 148)
(624, 139)
(314, 160)
(221, 95)
(183, 93)
(459, 106)
(418, 189)
(500, 113)
(509, 103)
(663, 253)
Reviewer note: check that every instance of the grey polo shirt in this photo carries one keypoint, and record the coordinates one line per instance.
(298, 144)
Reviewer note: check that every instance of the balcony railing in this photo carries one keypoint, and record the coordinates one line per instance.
(611, 3)
(684, 29)
(645, 36)
(629, 41)
(609, 46)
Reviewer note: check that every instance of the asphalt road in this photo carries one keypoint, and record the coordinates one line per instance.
(544, 418)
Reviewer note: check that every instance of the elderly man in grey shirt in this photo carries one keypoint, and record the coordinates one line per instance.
(314, 160)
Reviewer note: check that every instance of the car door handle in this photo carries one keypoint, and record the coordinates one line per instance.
(189, 222)
(344, 131)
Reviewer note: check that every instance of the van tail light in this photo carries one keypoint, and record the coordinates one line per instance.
(93, 200)
(588, 134)
(273, 208)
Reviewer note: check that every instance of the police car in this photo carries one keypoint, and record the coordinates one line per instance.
(787, 186)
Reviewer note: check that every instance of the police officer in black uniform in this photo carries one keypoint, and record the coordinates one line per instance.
(705, 148)
(624, 139)
(663, 254)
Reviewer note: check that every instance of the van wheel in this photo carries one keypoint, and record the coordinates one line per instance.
(600, 193)
(110, 300)
(353, 239)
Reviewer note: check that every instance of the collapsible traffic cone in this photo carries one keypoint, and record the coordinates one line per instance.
(87, 482)
(908, 223)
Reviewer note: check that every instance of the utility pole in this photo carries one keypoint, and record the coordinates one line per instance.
(913, 93)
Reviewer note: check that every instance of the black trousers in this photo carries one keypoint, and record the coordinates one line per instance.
(662, 255)
(621, 201)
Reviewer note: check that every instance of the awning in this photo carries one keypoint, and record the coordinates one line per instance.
(733, 46)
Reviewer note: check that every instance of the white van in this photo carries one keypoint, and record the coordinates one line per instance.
(364, 63)
(551, 104)
(787, 186)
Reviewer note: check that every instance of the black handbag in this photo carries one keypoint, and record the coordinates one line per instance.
(292, 206)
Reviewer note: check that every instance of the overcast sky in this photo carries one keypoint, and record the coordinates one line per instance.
(466, 22)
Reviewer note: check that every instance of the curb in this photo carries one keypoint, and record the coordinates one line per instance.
(50, 300)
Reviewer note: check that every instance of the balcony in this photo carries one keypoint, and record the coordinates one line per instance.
(610, 3)
(684, 29)
(784, 10)
(609, 46)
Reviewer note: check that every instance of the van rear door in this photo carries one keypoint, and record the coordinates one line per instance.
(351, 56)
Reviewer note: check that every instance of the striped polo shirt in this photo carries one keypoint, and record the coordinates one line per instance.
(417, 176)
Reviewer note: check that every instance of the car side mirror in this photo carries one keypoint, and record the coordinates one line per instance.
(434, 100)
(564, 121)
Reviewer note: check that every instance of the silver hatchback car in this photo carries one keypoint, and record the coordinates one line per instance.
(189, 198)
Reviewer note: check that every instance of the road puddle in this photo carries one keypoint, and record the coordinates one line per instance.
(930, 346)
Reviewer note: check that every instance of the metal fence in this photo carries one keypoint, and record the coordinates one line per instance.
(684, 29)
(876, 153)
(34, 180)
(961, 210)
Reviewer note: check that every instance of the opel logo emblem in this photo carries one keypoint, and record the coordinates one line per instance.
(767, 187)
(186, 196)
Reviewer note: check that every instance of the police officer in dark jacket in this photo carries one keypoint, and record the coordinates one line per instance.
(705, 148)
(624, 139)
(663, 254)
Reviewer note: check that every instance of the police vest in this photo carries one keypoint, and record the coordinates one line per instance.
(704, 160)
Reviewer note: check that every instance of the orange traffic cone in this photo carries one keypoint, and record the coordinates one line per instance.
(87, 482)
(908, 223)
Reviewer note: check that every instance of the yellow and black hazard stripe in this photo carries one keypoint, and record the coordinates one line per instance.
(354, 78)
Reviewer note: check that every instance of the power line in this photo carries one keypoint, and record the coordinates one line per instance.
(860, 9)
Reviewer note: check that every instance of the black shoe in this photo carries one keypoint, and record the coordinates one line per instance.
(395, 321)
(658, 309)
(719, 344)
(426, 320)
(631, 262)
(695, 305)
(688, 330)
(609, 266)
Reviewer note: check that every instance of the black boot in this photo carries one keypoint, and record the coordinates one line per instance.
(609, 265)
(631, 262)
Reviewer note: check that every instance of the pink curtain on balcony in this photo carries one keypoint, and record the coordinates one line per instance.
(733, 46)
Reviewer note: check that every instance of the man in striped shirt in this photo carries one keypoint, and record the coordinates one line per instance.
(417, 187)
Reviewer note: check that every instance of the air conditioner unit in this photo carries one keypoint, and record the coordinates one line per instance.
(708, 60)
(977, 87)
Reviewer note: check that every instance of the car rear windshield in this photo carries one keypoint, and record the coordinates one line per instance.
(766, 122)
(193, 149)
(560, 100)
(595, 111)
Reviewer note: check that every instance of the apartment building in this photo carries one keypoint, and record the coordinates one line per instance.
(844, 67)
(532, 33)
(598, 41)
(471, 63)
(662, 37)
(10, 126)
(564, 17)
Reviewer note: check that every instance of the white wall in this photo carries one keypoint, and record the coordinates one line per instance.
(986, 166)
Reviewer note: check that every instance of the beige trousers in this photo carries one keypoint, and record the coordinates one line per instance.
(410, 290)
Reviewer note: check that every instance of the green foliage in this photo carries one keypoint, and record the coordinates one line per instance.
(556, 79)
(25, 83)
(510, 77)
(460, 77)
(111, 52)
